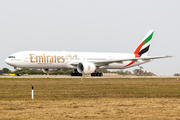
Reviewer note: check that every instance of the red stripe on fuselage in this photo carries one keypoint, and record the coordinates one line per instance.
(136, 53)
(138, 49)
(130, 63)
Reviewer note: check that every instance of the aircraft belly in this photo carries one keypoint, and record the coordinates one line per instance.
(42, 65)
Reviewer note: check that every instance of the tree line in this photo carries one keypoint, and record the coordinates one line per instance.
(137, 72)
(176, 74)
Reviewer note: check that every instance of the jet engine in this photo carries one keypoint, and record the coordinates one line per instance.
(50, 70)
(86, 67)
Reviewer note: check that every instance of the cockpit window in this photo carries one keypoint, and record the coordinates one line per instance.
(11, 57)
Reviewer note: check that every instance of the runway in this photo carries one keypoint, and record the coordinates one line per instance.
(85, 76)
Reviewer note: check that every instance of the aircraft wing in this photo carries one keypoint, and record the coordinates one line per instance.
(106, 62)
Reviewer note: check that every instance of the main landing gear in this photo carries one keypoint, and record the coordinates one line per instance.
(76, 73)
(80, 74)
(96, 74)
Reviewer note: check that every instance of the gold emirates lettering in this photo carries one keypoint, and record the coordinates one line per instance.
(46, 59)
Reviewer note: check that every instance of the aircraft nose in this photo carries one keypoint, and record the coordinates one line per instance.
(6, 61)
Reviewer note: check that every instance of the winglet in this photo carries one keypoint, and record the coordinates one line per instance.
(143, 48)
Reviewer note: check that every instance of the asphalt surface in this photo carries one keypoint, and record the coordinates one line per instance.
(67, 76)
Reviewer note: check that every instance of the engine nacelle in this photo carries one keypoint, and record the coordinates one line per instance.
(86, 67)
(50, 70)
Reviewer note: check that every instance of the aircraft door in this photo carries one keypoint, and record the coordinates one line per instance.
(25, 58)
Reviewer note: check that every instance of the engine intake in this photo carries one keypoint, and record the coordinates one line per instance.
(86, 67)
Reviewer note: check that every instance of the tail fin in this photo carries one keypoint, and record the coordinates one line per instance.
(143, 48)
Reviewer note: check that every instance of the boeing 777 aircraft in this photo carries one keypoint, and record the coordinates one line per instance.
(82, 62)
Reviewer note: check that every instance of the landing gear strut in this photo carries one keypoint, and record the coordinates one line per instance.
(76, 73)
(18, 69)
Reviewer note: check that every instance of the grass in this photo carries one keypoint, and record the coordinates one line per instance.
(73, 88)
(92, 98)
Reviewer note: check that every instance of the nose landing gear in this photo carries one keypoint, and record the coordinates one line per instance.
(18, 69)
(18, 74)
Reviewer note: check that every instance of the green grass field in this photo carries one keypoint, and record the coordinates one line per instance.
(92, 98)
(74, 88)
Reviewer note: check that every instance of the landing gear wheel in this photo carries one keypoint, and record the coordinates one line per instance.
(76, 74)
(72, 74)
(18, 74)
(80, 74)
(100, 74)
(96, 74)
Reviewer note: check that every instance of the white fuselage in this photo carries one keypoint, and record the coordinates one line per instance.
(68, 60)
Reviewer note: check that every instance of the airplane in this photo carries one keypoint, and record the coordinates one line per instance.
(82, 62)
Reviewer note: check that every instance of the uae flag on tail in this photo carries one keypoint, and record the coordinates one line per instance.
(143, 48)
